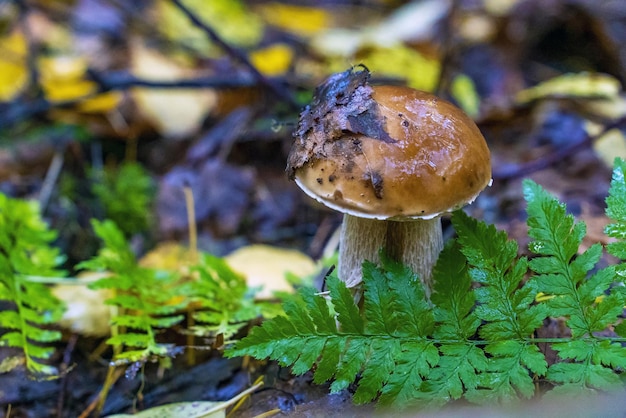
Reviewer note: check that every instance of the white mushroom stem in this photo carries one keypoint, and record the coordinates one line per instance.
(416, 244)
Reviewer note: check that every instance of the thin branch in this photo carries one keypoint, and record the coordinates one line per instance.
(543, 162)
(279, 90)
(18, 111)
(31, 53)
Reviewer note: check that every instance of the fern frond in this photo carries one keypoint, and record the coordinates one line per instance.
(126, 192)
(147, 299)
(25, 250)
(616, 210)
(387, 346)
(225, 303)
(564, 274)
(506, 307)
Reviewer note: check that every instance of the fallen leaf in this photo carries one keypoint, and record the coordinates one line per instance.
(267, 267)
(86, 313)
(13, 71)
(419, 71)
(301, 20)
(229, 18)
(579, 85)
(170, 256)
(608, 146)
(63, 78)
(195, 409)
(412, 22)
(175, 113)
(222, 193)
(273, 60)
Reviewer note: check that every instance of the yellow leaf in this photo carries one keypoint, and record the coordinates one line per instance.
(86, 313)
(13, 71)
(415, 21)
(174, 113)
(464, 92)
(301, 20)
(273, 60)
(399, 61)
(267, 266)
(610, 145)
(577, 85)
(229, 18)
(170, 256)
(63, 79)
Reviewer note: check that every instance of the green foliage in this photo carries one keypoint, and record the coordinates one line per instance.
(146, 299)
(584, 299)
(25, 250)
(223, 303)
(476, 337)
(505, 308)
(126, 193)
(616, 210)
(388, 345)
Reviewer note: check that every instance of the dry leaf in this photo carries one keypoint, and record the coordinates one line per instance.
(195, 409)
(170, 256)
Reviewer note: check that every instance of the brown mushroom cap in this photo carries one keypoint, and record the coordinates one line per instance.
(435, 161)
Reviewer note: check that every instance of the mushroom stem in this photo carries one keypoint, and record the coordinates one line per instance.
(361, 239)
(415, 243)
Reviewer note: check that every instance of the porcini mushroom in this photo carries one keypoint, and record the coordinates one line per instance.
(393, 160)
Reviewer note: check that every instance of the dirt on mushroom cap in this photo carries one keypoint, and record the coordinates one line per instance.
(387, 151)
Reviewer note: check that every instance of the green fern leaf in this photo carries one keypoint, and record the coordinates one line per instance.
(502, 303)
(144, 297)
(507, 308)
(461, 360)
(224, 300)
(379, 368)
(564, 274)
(392, 359)
(589, 371)
(25, 250)
(453, 297)
(126, 192)
(347, 312)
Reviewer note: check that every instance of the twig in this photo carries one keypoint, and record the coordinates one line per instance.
(31, 55)
(521, 170)
(67, 357)
(51, 178)
(276, 88)
(18, 111)
(447, 46)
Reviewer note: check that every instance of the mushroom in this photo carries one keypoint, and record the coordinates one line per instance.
(393, 160)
